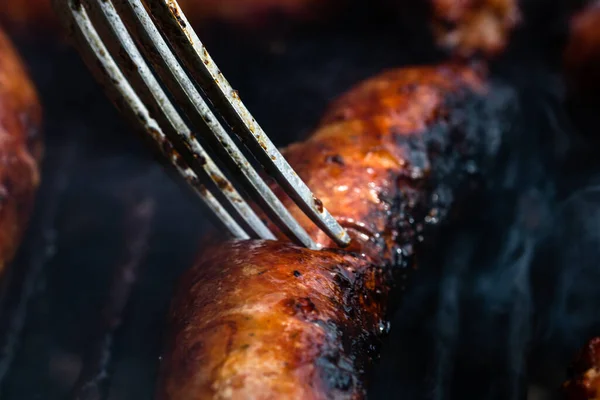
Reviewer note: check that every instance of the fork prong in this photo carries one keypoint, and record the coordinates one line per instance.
(191, 101)
(179, 133)
(188, 46)
(98, 59)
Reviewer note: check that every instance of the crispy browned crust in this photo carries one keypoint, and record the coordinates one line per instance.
(584, 382)
(269, 320)
(582, 54)
(276, 314)
(20, 149)
(474, 27)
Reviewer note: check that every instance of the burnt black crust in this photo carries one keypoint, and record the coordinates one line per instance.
(460, 147)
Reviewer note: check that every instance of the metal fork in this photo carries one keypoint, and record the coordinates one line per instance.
(149, 60)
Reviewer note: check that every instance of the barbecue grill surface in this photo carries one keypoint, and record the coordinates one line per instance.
(493, 316)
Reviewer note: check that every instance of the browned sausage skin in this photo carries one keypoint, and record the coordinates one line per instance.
(27, 14)
(474, 27)
(464, 28)
(253, 12)
(584, 383)
(38, 14)
(269, 320)
(582, 53)
(274, 324)
(20, 149)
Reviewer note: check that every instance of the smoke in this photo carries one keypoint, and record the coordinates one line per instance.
(477, 324)
(447, 320)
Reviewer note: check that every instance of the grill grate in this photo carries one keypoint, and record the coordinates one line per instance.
(94, 378)
(20, 283)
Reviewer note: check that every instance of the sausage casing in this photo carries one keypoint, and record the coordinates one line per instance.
(25, 15)
(269, 320)
(584, 382)
(20, 149)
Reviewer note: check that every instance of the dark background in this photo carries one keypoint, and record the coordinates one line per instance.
(496, 313)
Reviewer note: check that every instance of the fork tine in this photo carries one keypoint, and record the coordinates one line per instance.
(99, 60)
(179, 84)
(188, 46)
(153, 95)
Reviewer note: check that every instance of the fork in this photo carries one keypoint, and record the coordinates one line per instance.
(149, 59)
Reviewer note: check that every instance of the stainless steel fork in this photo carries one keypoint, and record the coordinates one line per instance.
(150, 60)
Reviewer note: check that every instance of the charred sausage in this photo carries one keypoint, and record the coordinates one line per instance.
(473, 27)
(269, 320)
(584, 382)
(464, 29)
(582, 54)
(27, 14)
(30, 14)
(252, 12)
(20, 149)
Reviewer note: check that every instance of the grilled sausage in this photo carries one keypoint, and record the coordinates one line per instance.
(27, 14)
(269, 320)
(30, 14)
(251, 12)
(466, 28)
(474, 27)
(20, 149)
(584, 383)
(582, 54)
